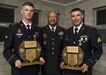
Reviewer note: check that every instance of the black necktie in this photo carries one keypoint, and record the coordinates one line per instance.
(76, 29)
(52, 29)
(28, 27)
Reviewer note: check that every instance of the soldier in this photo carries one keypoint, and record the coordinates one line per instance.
(52, 36)
(87, 38)
(24, 30)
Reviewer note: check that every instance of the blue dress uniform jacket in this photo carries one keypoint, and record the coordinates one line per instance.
(90, 42)
(15, 35)
(52, 49)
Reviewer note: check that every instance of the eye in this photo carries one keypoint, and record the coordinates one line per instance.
(78, 15)
(31, 10)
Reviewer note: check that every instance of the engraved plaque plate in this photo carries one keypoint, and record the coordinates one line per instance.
(72, 49)
(29, 44)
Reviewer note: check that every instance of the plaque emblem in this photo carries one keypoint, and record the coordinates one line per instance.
(30, 54)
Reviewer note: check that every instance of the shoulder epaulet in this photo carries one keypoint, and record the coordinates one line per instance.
(90, 26)
(12, 24)
(15, 23)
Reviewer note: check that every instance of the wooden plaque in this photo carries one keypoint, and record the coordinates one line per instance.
(73, 57)
(30, 52)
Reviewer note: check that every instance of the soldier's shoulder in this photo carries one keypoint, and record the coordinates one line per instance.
(91, 28)
(13, 24)
(62, 28)
(45, 27)
(69, 29)
(37, 27)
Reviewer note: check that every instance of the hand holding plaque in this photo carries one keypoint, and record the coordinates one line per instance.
(73, 57)
(30, 52)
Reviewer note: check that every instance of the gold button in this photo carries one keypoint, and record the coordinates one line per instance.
(52, 38)
(52, 48)
(52, 52)
(74, 42)
(52, 43)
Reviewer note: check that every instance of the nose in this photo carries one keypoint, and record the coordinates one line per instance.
(75, 18)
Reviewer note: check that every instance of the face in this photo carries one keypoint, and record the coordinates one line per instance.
(27, 12)
(52, 18)
(77, 18)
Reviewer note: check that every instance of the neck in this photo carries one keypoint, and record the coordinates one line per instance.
(79, 25)
(26, 21)
(52, 25)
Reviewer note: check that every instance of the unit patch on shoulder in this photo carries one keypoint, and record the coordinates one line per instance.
(99, 39)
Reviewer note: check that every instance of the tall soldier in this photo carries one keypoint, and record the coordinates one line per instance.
(52, 36)
(87, 38)
(15, 35)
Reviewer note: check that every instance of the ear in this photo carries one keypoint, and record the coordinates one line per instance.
(82, 15)
(21, 11)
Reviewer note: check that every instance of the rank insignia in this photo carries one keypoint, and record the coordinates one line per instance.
(60, 33)
(44, 35)
(19, 33)
(36, 35)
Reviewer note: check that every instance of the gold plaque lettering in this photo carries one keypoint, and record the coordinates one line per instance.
(73, 49)
(29, 44)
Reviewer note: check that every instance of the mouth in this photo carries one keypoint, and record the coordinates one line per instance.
(53, 21)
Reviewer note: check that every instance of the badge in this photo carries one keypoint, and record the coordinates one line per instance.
(45, 35)
(80, 42)
(84, 38)
(44, 42)
(81, 39)
(19, 33)
(60, 33)
(36, 35)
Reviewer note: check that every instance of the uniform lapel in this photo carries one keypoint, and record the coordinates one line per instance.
(57, 30)
(71, 34)
(22, 27)
(47, 31)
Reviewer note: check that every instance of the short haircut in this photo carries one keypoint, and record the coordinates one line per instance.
(53, 11)
(28, 3)
(76, 9)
